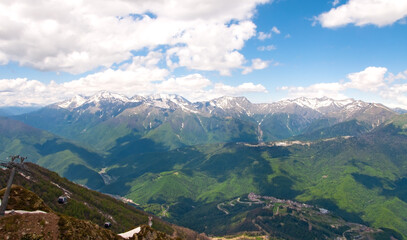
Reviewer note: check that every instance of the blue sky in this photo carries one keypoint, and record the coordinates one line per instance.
(262, 49)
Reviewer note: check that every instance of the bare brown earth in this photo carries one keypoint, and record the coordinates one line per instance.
(49, 225)
(29, 226)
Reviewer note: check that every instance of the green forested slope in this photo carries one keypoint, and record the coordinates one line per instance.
(362, 178)
(65, 157)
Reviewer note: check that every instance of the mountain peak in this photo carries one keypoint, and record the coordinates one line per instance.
(226, 106)
(105, 95)
(229, 102)
(167, 97)
(74, 102)
(230, 98)
(79, 100)
(168, 101)
(318, 103)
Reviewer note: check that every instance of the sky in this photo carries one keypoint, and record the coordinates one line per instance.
(51, 50)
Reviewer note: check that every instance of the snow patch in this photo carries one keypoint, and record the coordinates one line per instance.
(74, 102)
(66, 192)
(130, 233)
(24, 212)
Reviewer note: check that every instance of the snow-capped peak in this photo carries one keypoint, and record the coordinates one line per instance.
(137, 98)
(104, 95)
(168, 101)
(168, 97)
(318, 103)
(228, 102)
(74, 102)
(80, 100)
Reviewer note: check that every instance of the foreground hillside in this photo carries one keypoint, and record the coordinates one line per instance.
(255, 215)
(35, 220)
(83, 204)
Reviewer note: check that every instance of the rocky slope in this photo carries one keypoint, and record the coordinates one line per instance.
(82, 217)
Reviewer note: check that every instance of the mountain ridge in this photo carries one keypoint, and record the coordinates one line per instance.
(225, 102)
(169, 115)
(173, 161)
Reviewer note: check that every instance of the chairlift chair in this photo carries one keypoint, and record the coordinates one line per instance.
(62, 200)
(108, 224)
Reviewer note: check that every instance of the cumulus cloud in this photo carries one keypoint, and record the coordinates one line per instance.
(364, 12)
(397, 93)
(195, 87)
(200, 88)
(78, 36)
(24, 92)
(275, 30)
(335, 2)
(221, 89)
(211, 47)
(369, 79)
(319, 90)
(136, 76)
(267, 48)
(400, 76)
(377, 80)
(191, 86)
(257, 64)
(263, 36)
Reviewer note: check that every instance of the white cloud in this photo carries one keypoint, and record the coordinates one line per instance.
(364, 12)
(333, 90)
(377, 80)
(397, 94)
(267, 48)
(195, 87)
(400, 76)
(369, 79)
(141, 77)
(335, 2)
(257, 64)
(275, 63)
(275, 30)
(221, 89)
(78, 36)
(192, 86)
(24, 92)
(211, 47)
(263, 36)
(136, 76)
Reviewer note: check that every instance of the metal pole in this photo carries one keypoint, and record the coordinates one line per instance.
(7, 193)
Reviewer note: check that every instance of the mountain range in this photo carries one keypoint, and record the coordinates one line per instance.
(180, 160)
(170, 121)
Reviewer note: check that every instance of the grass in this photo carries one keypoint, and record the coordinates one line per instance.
(322, 173)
